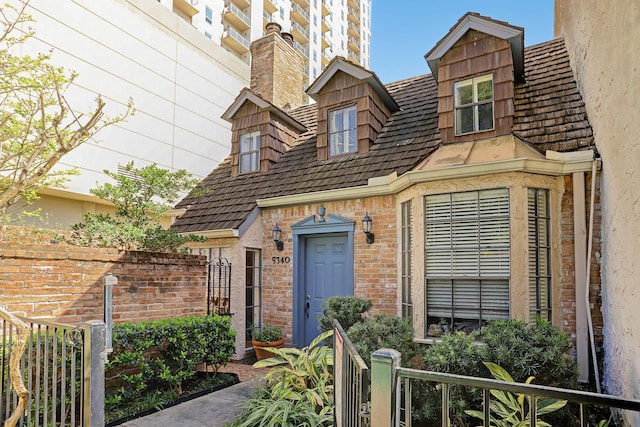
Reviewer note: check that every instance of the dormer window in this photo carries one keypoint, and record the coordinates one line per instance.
(343, 131)
(250, 152)
(474, 105)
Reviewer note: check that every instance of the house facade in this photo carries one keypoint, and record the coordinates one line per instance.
(451, 198)
(600, 41)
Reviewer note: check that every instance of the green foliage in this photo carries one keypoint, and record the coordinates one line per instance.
(37, 124)
(299, 388)
(347, 310)
(456, 353)
(511, 410)
(384, 331)
(539, 350)
(164, 354)
(266, 332)
(141, 196)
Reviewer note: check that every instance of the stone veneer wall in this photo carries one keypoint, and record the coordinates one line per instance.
(64, 283)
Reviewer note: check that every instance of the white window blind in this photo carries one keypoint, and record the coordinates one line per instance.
(467, 255)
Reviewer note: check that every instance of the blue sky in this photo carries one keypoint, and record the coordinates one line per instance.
(402, 31)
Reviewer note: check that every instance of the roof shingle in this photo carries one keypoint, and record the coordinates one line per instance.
(549, 114)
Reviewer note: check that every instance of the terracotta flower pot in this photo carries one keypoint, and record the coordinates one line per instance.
(265, 354)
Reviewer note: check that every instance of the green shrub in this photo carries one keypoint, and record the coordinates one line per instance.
(384, 331)
(298, 390)
(346, 310)
(455, 353)
(540, 350)
(163, 354)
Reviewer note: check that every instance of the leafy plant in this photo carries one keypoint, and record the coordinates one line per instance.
(299, 388)
(164, 354)
(384, 331)
(456, 353)
(37, 123)
(141, 196)
(513, 410)
(266, 332)
(347, 310)
(538, 349)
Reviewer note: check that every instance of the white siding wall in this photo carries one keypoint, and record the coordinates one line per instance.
(180, 81)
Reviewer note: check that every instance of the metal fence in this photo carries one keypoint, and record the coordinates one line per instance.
(391, 387)
(63, 370)
(219, 286)
(351, 382)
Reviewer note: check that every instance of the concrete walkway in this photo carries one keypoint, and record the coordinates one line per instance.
(212, 410)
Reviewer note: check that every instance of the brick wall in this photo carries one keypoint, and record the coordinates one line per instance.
(277, 71)
(375, 265)
(568, 284)
(64, 283)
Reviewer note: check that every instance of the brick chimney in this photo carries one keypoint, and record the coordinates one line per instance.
(277, 69)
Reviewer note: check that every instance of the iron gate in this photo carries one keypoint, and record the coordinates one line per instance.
(219, 286)
(62, 368)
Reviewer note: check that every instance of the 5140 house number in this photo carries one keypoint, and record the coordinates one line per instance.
(281, 259)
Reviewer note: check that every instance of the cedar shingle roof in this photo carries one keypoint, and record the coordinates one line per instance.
(549, 114)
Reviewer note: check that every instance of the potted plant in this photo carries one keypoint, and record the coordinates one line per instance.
(266, 336)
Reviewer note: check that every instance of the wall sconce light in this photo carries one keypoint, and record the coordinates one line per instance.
(367, 226)
(275, 234)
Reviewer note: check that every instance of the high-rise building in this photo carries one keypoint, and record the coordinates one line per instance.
(321, 29)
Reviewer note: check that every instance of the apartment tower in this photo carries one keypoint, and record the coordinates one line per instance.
(321, 29)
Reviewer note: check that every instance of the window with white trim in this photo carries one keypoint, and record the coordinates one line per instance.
(467, 259)
(342, 131)
(473, 105)
(250, 152)
(539, 223)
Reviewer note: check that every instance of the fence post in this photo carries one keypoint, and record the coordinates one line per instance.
(383, 387)
(94, 355)
(108, 281)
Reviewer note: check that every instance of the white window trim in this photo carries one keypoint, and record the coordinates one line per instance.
(474, 104)
(253, 153)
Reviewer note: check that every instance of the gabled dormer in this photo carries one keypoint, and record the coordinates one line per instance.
(476, 66)
(260, 133)
(261, 130)
(353, 107)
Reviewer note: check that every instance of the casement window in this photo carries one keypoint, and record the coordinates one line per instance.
(467, 259)
(250, 152)
(539, 254)
(253, 292)
(474, 105)
(342, 131)
(208, 15)
(406, 231)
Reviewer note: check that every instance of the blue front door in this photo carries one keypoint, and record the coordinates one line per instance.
(326, 273)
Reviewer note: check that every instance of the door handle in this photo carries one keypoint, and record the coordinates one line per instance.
(307, 306)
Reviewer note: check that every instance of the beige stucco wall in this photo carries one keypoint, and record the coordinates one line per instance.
(602, 39)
